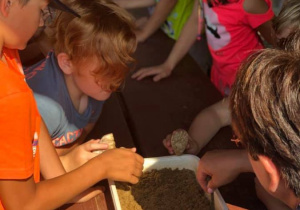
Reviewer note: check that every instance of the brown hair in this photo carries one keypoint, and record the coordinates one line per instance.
(291, 42)
(265, 105)
(288, 17)
(104, 31)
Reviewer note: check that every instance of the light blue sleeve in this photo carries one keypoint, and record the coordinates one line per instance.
(52, 114)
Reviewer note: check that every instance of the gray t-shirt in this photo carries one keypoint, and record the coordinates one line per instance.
(63, 121)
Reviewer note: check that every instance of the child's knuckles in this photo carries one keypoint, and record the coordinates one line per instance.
(134, 180)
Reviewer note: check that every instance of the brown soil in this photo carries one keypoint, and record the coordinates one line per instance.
(162, 190)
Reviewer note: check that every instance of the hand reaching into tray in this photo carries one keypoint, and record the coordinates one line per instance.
(223, 166)
(121, 165)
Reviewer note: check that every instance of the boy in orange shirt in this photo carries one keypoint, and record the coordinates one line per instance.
(26, 148)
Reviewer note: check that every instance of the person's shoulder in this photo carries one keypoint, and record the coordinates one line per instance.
(256, 6)
(47, 104)
(52, 113)
(42, 68)
(11, 82)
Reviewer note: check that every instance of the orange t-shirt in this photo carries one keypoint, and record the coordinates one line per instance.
(19, 123)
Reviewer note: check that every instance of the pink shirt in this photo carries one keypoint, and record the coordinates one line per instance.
(231, 37)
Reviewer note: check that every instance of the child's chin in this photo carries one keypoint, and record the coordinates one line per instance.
(103, 97)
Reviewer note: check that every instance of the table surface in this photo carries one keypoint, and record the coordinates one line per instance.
(145, 112)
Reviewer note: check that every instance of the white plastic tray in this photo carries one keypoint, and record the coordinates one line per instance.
(173, 162)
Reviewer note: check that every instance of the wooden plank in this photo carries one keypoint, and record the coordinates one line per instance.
(96, 203)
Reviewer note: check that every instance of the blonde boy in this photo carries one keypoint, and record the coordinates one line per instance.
(89, 62)
(26, 149)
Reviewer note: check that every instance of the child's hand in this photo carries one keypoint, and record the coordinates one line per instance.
(121, 165)
(141, 22)
(191, 148)
(81, 154)
(159, 72)
(223, 166)
(140, 35)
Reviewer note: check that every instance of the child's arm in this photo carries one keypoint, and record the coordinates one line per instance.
(267, 32)
(223, 166)
(132, 4)
(209, 121)
(80, 152)
(205, 125)
(187, 38)
(52, 167)
(160, 14)
(265, 29)
(117, 164)
(50, 163)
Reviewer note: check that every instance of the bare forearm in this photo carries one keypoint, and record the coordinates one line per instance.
(50, 163)
(161, 12)
(49, 194)
(70, 158)
(267, 31)
(116, 164)
(53, 193)
(187, 38)
(209, 121)
(245, 165)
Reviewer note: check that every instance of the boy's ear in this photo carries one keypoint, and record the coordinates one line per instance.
(65, 63)
(272, 171)
(5, 7)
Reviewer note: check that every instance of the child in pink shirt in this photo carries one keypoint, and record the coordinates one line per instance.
(232, 36)
(231, 28)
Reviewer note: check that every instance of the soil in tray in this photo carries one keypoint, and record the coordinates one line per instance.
(162, 190)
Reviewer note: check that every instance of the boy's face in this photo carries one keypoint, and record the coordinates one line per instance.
(23, 22)
(260, 172)
(85, 81)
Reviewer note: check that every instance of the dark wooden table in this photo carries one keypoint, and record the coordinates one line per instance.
(145, 112)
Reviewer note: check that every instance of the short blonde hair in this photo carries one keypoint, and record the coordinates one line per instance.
(288, 17)
(104, 31)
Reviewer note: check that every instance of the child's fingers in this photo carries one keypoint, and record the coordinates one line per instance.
(138, 73)
(211, 187)
(133, 179)
(160, 76)
(91, 146)
(138, 172)
(141, 74)
(133, 149)
(167, 144)
(201, 177)
(140, 160)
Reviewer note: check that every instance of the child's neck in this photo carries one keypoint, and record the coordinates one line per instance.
(79, 99)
